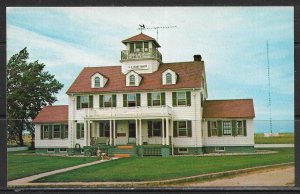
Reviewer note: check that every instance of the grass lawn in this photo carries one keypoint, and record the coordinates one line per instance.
(158, 168)
(25, 165)
(284, 138)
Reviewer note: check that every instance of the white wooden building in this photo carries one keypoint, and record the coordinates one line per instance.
(145, 107)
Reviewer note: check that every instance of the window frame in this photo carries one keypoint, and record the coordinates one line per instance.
(105, 130)
(146, 47)
(66, 131)
(183, 152)
(48, 150)
(220, 150)
(152, 99)
(156, 129)
(104, 102)
(59, 131)
(177, 99)
(132, 81)
(43, 128)
(227, 129)
(137, 44)
(82, 101)
(97, 82)
(182, 129)
(169, 78)
(60, 150)
(135, 99)
(239, 128)
(212, 128)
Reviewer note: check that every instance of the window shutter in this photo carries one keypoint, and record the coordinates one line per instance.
(174, 98)
(245, 127)
(42, 131)
(188, 98)
(50, 131)
(66, 131)
(163, 99)
(100, 101)
(114, 100)
(149, 128)
(233, 125)
(78, 102)
(189, 128)
(90, 101)
(219, 122)
(124, 100)
(208, 129)
(149, 98)
(174, 128)
(138, 99)
(62, 131)
(78, 130)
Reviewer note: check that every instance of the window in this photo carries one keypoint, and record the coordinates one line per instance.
(139, 46)
(80, 131)
(239, 128)
(107, 99)
(220, 149)
(181, 98)
(131, 99)
(132, 80)
(168, 78)
(56, 131)
(46, 131)
(227, 128)
(50, 150)
(131, 47)
(182, 150)
(146, 46)
(156, 99)
(97, 82)
(104, 129)
(66, 131)
(62, 149)
(156, 130)
(182, 128)
(213, 128)
(84, 102)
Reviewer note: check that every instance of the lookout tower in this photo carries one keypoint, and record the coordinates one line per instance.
(141, 54)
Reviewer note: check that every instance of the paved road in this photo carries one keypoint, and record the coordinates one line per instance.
(274, 145)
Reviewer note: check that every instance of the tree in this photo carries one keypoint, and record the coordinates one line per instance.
(29, 89)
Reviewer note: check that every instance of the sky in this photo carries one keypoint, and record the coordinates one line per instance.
(231, 41)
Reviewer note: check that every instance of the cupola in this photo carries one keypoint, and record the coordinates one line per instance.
(141, 54)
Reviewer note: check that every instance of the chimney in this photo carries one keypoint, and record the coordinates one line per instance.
(197, 58)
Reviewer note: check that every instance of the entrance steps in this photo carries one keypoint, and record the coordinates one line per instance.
(124, 151)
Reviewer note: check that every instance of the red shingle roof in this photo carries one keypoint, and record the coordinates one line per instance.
(189, 76)
(140, 37)
(52, 114)
(240, 108)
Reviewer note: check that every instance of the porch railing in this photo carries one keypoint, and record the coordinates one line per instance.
(132, 112)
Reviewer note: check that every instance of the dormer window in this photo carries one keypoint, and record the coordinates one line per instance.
(97, 82)
(168, 78)
(132, 80)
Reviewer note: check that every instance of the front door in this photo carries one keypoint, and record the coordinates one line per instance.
(131, 132)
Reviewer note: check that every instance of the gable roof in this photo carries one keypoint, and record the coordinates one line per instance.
(189, 76)
(52, 114)
(140, 37)
(239, 108)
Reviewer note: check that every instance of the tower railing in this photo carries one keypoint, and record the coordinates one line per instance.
(150, 54)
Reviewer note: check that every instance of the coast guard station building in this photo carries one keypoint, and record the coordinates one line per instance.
(145, 107)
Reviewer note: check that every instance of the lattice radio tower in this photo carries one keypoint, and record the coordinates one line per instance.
(269, 87)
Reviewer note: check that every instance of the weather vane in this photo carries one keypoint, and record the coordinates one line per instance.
(142, 26)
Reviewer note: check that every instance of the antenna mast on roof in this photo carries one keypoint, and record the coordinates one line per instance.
(142, 27)
(269, 87)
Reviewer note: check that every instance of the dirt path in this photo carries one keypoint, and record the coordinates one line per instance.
(278, 176)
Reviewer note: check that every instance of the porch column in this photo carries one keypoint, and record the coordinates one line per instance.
(172, 137)
(110, 133)
(114, 132)
(136, 132)
(167, 131)
(140, 133)
(163, 131)
(88, 133)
